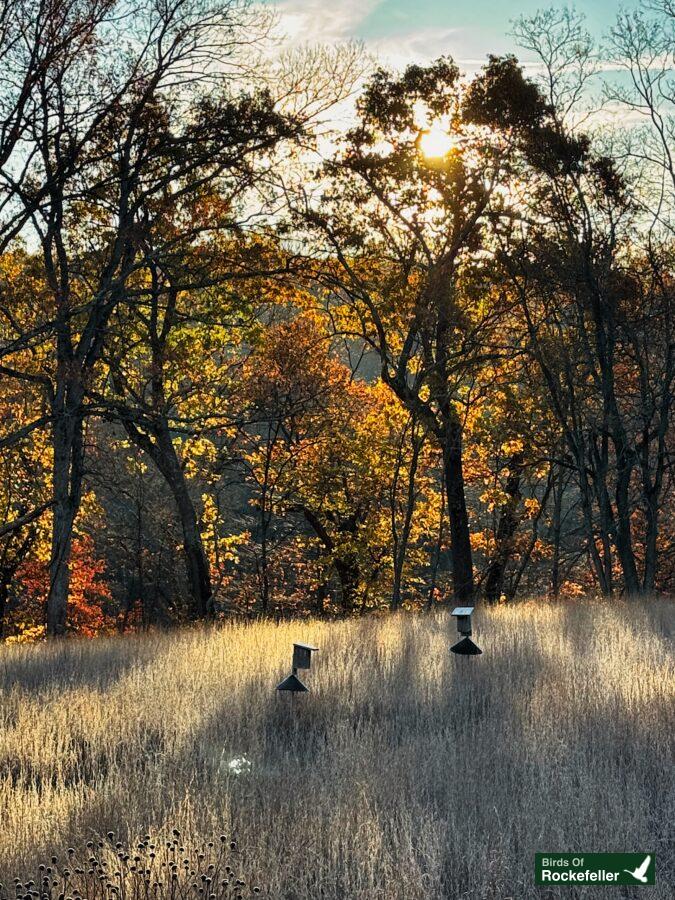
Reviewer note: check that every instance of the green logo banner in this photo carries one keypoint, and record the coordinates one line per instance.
(594, 868)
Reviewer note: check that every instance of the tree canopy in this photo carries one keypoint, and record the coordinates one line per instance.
(434, 365)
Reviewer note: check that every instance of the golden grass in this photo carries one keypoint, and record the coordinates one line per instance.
(407, 772)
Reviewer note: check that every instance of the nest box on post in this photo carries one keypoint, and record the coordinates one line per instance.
(302, 656)
(466, 646)
(302, 659)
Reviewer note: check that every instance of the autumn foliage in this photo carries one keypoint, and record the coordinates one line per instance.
(241, 378)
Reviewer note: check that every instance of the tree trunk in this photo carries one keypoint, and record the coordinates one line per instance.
(607, 529)
(652, 487)
(436, 556)
(460, 543)
(67, 472)
(556, 528)
(320, 597)
(651, 542)
(527, 555)
(349, 574)
(4, 596)
(604, 577)
(264, 560)
(401, 546)
(196, 562)
(624, 540)
(506, 529)
(346, 566)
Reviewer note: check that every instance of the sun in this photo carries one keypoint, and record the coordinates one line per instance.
(435, 142)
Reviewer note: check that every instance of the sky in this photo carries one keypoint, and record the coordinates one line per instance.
(401, 31)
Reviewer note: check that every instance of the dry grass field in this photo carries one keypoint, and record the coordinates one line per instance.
(406, 773)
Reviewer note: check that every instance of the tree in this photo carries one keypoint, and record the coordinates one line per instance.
(572, 265)
(24, 445)
(406, 228)
(332, 449)
(111, 132)
(641, 44)
(184, 307)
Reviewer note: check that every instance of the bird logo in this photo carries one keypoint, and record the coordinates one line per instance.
(640, 874)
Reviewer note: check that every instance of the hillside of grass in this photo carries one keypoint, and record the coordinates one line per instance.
(406, 772)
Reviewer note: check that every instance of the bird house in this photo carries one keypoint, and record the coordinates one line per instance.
(302, 656)
(466, 646)
(463, 615)
(302, 659)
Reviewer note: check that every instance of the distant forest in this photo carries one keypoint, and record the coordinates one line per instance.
(289, 334)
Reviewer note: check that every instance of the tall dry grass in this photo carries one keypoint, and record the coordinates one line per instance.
(406, 773)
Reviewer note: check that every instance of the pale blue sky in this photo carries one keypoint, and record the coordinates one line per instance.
(399, 30)
(483, 24)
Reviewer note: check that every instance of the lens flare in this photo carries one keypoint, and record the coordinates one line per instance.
(434, 142)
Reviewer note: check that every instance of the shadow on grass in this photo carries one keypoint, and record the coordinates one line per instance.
(72, 663)
(440, 774)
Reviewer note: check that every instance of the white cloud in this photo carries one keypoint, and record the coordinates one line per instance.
(322, 21)
(422, 45)
(329, 22)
